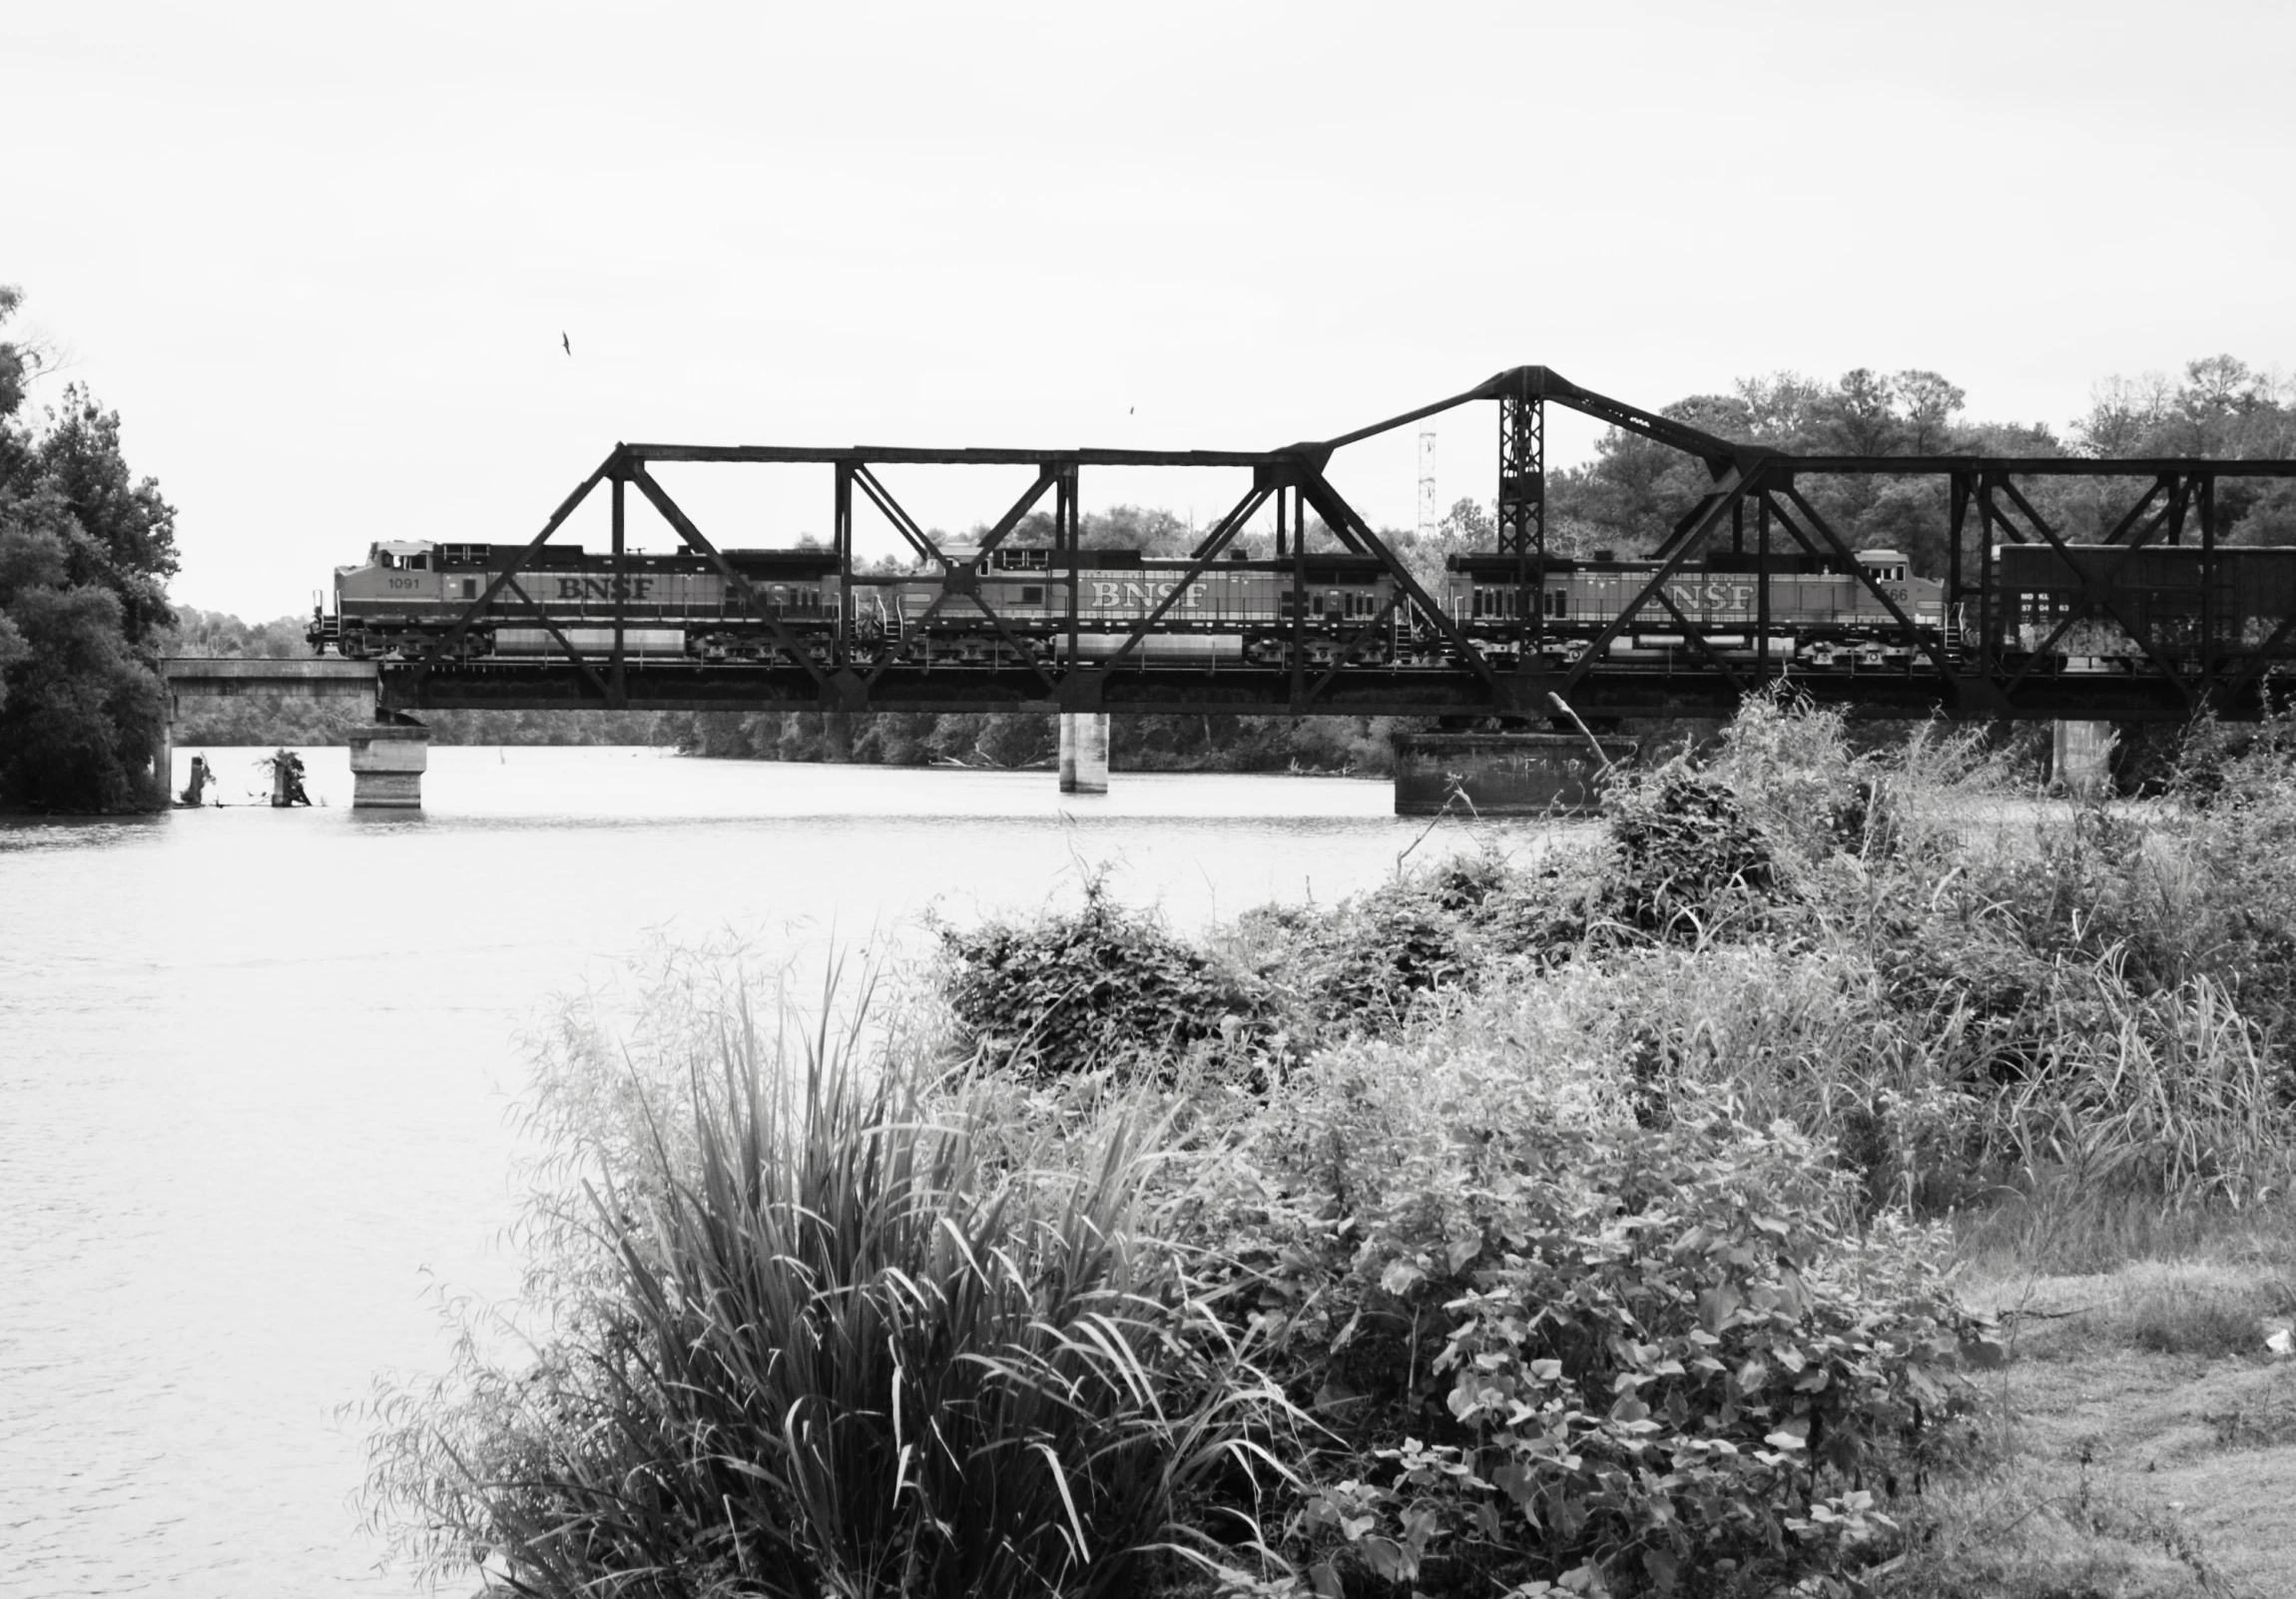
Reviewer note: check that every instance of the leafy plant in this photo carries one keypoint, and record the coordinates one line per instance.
(1585, 1355)
(1686, 848)
(1102, 988)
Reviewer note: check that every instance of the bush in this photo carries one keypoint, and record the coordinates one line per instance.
(1687, 853)
(1358, 968)
(813, 1342)
(1566, 1349)
(1102, 988)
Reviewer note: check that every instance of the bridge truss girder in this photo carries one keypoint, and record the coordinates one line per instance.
(2227, 678)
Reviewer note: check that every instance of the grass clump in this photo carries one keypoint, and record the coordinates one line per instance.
(820, 1342)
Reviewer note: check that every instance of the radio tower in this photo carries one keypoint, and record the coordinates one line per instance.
(1427, 516)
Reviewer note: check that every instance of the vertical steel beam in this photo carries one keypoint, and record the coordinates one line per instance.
(1762, 586)
(1522, 475)
(2205, 493)
(842, 540)
(1522, 509)
(1955, 535)
(698, 542)
(620, 697)
(1989, 655)
(1299, 599)
(1064, 538)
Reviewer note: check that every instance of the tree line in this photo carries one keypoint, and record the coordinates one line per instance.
(1628, 495)
(87, 549)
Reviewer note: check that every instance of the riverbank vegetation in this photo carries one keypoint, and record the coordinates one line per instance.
(1762, 1194)
(86, 550)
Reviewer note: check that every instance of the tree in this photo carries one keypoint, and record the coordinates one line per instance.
(16, 362)
(1779, 407)
(1931, 404)
(85, 554)
(1467, 526)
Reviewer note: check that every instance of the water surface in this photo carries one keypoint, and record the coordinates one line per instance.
(253, 1068)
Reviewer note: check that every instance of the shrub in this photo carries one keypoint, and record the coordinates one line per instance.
(1575, 1350)
(1686, 852)
(816, 1343)
(1364, 962)
(1102, 988)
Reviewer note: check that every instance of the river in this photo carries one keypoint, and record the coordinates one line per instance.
(254, 1067)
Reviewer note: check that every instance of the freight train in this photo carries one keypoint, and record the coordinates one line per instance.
(405, 600)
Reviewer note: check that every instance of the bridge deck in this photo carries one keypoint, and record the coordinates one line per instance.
(307, 678)
(1611, 691)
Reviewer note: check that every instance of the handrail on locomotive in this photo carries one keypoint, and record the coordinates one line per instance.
(2170, 627)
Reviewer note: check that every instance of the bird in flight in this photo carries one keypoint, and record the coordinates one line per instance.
(569, 344)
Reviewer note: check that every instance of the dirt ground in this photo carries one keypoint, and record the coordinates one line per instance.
(2145, 1443)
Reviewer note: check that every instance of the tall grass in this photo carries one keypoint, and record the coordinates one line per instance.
(826, 1345)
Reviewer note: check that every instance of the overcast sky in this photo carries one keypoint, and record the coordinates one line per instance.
(322, 258)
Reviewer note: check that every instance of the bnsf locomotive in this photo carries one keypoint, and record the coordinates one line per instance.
(406, 599)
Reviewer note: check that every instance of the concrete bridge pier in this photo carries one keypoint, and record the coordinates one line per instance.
(2080, 758)
(386, 766)
(1084, 751)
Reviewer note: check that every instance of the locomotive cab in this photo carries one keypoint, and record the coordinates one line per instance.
(403, 569)
(401, 556)
(1883, 566)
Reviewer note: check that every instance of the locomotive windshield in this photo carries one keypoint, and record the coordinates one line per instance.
(1883, 566)
(408, 555)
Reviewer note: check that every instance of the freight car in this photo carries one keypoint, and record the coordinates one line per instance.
(1815, 613)
(2176, 597)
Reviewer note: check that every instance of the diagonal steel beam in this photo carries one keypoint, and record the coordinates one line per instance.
(1933, 648)
(1336, 512)
(1688, 522)
(1734, 485)
(1697, 636)
(2120, 529)
(1347, 647)
(673, 514)
(2072, 616)
(2259, 660)
(1225, 528)
(903, 523)
(1229, 527)
(2091, 601)
(1046, 477)
(1766, 498)
(961, 580)
(580, 662)
(477, 607)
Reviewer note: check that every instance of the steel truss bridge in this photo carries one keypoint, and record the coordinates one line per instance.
(2171, 500)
